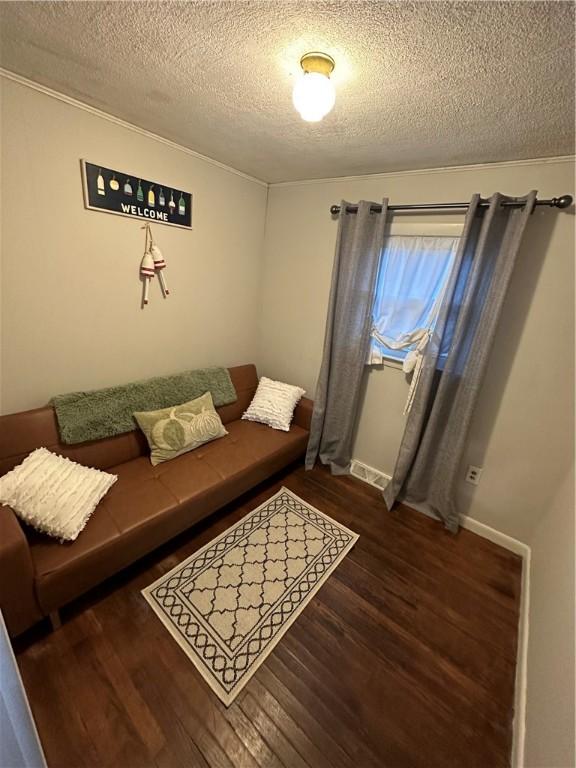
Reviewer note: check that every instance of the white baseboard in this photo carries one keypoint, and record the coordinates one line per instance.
(521, 689)
(495, 536)
(521, 682)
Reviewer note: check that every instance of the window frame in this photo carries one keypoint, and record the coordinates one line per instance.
(415, 229)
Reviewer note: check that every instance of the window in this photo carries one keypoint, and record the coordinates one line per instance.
(412, 276)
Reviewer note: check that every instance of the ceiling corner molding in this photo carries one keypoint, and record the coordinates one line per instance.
(426, 171)
(14, 77)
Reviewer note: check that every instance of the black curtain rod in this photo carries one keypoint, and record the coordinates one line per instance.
(565, 201)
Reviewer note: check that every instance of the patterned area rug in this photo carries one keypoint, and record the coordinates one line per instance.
(230, 603)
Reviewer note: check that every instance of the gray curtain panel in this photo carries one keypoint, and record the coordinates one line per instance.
(347, 338)
(431, 451)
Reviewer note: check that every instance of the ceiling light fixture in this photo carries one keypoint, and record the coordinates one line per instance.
(314, 94)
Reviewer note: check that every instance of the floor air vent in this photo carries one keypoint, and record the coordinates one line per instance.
(368, 474)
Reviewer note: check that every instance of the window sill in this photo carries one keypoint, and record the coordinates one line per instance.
(387, 362)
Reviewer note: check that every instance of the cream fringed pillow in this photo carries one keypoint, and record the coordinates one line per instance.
(274, 404)
(53, 494)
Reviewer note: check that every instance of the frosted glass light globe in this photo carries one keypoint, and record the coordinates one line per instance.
(313, 96)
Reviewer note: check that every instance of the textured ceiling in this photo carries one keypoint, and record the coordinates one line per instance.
(419, 84)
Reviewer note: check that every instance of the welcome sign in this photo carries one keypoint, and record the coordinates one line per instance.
(127, 195)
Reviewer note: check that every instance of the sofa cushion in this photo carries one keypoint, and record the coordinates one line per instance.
(149, 505)
(51, 558)
(187, 478)
(262, 440)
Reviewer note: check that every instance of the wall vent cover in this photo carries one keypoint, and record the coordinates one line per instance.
(369, 474)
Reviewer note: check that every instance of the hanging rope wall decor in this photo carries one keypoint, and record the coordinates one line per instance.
(152, 263)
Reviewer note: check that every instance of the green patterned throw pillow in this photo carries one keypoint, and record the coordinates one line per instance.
(172, 431)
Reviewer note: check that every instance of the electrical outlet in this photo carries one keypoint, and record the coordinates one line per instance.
(473, 474)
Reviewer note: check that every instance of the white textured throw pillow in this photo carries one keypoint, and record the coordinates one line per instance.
(53, 494)
(274, 404)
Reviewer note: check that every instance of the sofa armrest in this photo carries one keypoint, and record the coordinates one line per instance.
(303, 413)
(17, 594)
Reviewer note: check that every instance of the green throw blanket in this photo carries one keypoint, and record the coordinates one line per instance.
(102, 413)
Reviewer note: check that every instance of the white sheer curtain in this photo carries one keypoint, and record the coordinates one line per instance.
(411, 280)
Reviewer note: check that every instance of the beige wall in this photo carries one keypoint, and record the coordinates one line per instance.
(71, 315)
(551, 674)
(522, 433)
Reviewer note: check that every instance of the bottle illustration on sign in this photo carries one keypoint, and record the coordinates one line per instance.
(181, 205)
(161, 198)
(114, 184)
(139, 193)
(151, 197)
(100, 183)
(171, 204)
(127, 187)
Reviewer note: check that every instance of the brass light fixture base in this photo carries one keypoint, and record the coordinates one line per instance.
(317, 62)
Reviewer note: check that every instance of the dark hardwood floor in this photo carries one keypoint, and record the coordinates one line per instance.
(405, 657)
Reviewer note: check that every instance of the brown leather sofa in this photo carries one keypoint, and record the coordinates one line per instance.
(144, 508)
